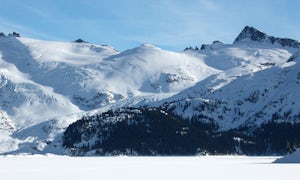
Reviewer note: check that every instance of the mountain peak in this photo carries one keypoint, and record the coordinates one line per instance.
(147, 45)
(252, 34)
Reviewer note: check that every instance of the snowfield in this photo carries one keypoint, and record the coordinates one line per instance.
(202, 167)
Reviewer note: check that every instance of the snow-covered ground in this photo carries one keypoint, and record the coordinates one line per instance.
(202, 167)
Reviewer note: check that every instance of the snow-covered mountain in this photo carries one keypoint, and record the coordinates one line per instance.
(263, 87)
(45, 86)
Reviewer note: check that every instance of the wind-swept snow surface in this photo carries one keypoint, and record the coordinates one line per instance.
(136, 168)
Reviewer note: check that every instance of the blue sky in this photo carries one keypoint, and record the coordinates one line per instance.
(169, 24)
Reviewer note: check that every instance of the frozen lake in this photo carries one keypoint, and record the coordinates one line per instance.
(110, 168)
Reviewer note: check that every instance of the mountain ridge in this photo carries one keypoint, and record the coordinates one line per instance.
(46, 86)
(259, 36)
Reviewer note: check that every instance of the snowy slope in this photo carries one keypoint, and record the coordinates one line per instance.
(42, 80)
(90, 76)
(56, 64)
(156, 70)
(258, 83)
(27, 102)
(7, 127)
(261, 90)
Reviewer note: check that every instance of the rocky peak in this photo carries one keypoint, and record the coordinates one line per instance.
(191, 48)
(215, 44)
(253, 34)
(14, 34)
(80, 41)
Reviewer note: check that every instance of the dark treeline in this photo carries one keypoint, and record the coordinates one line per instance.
(153, 131)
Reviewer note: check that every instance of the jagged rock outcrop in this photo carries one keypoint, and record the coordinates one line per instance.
(253, 34)
(14, 34)
(214, 45)
(80, 41)
(191, 48)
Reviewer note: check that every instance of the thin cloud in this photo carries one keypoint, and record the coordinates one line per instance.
(8, 27)
(210, 4)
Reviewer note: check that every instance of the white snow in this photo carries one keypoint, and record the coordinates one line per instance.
(66, 52)
(261, 73)
(136, 168)
(42, 80)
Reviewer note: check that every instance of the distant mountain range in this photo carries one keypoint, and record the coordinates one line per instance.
(78, 98)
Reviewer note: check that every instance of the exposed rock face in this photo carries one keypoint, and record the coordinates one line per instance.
(251, 33)
(80, 41)
(256, 35)
(214, 45)
(14, 34)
